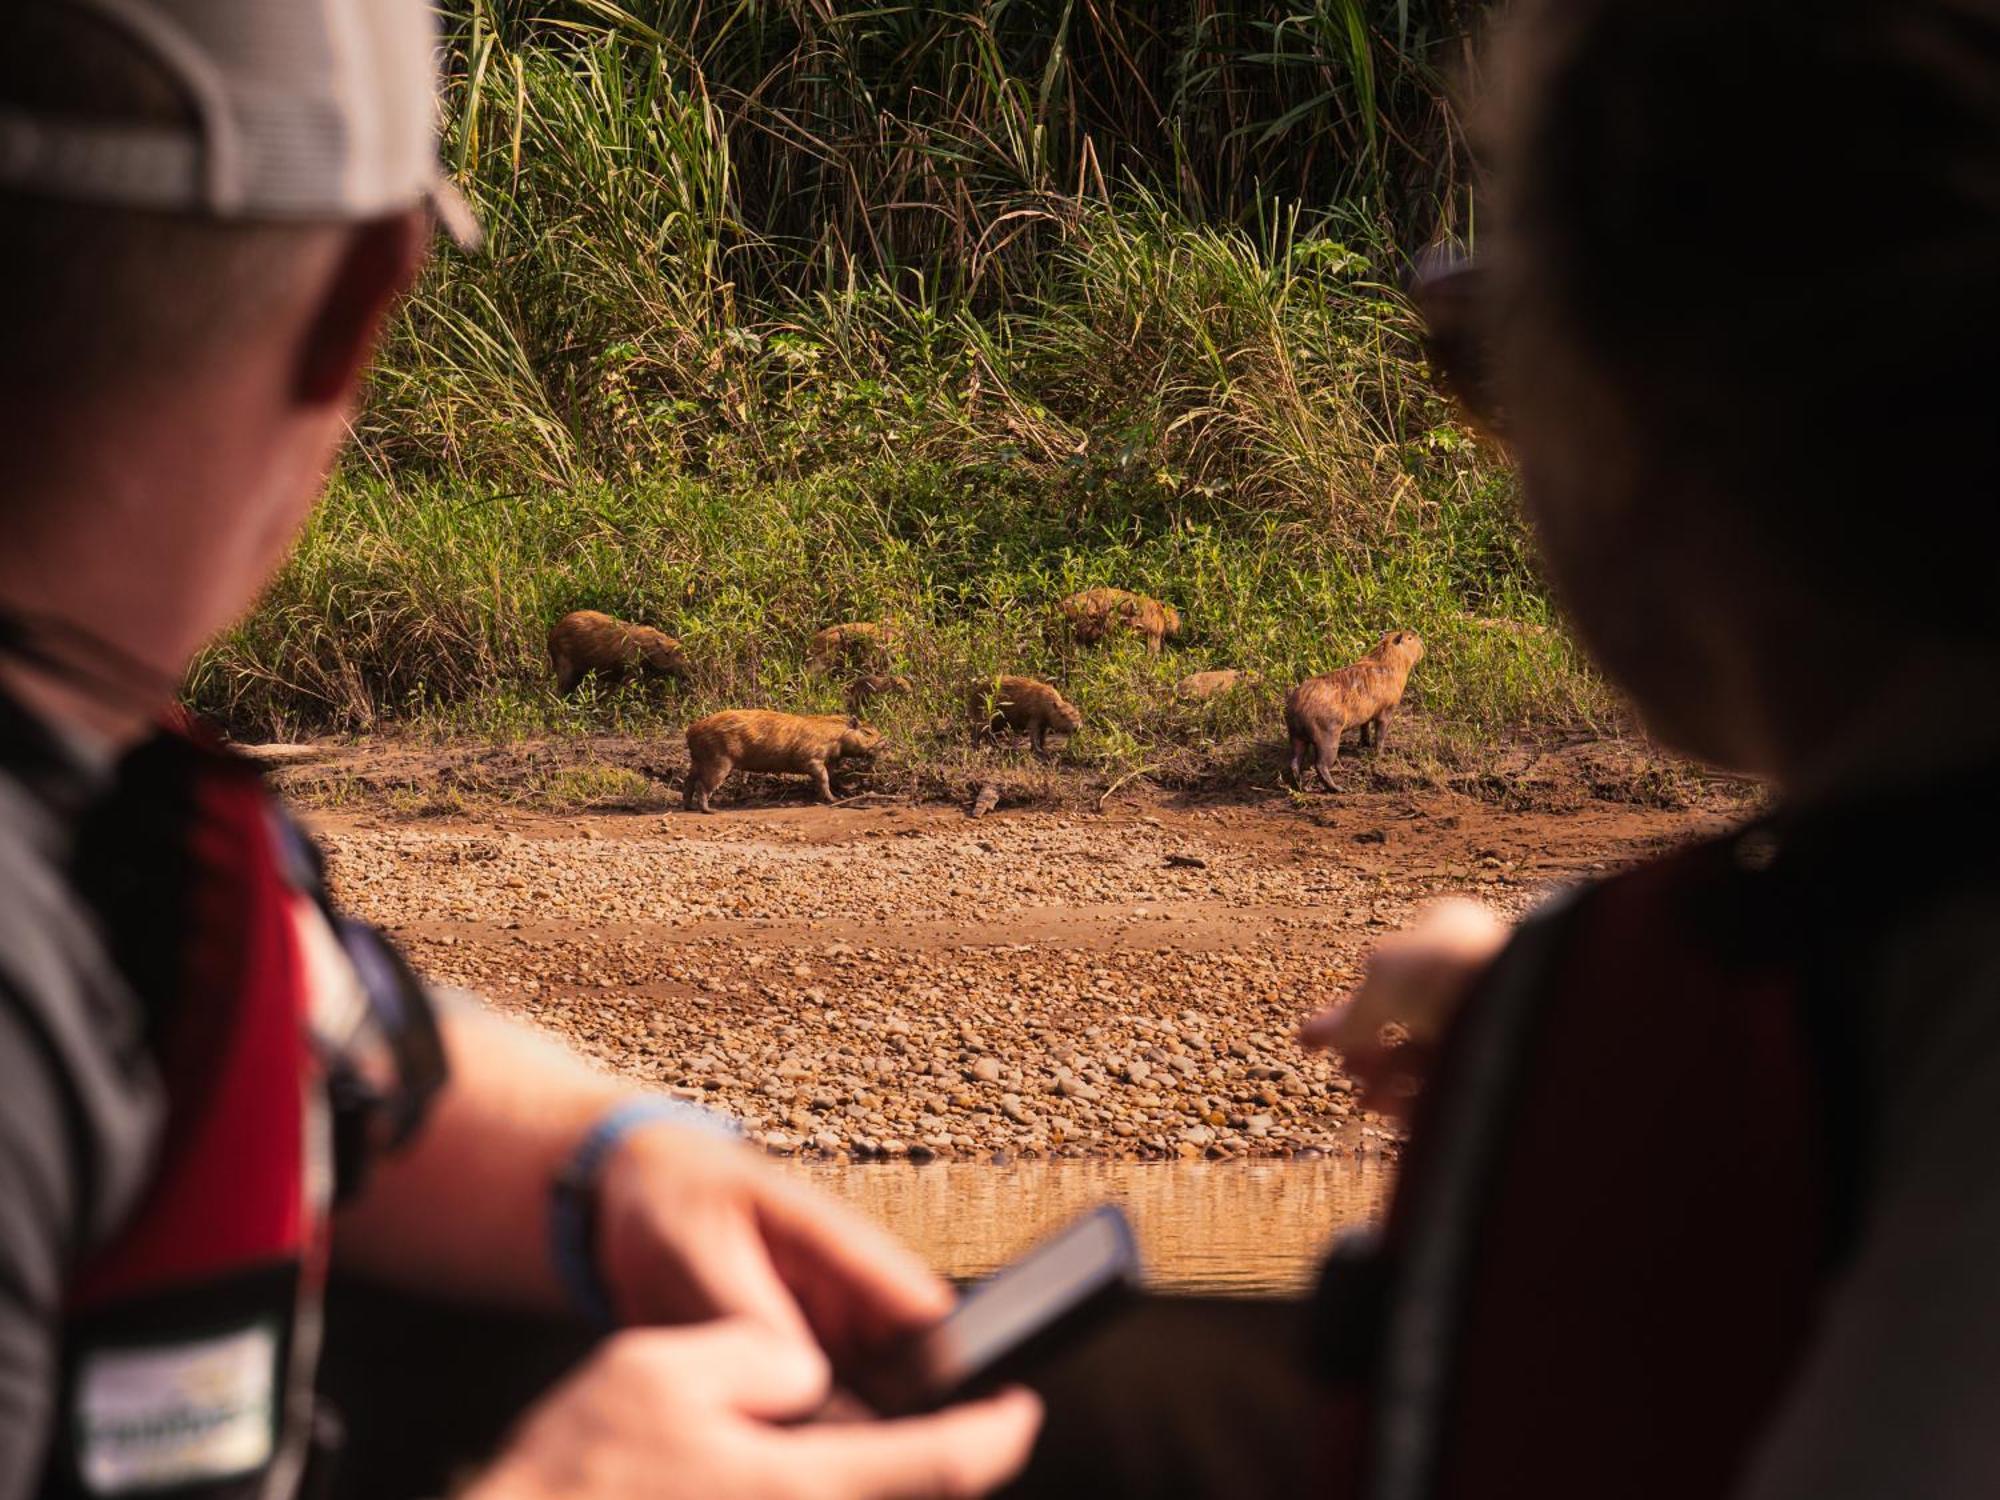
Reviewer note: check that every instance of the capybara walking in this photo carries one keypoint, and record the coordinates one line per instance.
(1199, 687)
(1320, 709)
(863, 644)
(588, 641)
(1023, 705)
(1095, 613)
(864, 690)
(755, 739)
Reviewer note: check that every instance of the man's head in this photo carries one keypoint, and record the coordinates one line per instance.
(210, 206)
(1745, 293)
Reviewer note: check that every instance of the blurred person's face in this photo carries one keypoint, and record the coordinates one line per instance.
(148, 503)
(1658, 583)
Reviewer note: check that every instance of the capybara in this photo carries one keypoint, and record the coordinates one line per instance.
(1095, 613)
(1199, 687)
(755, 739)
(875, 685)
(588, 641)
(1022, 705)
(864, 644)
(1320, 709)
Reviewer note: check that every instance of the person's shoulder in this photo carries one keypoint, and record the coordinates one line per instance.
(77, 1084)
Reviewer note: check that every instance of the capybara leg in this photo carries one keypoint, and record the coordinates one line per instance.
(818, 772)
(1329, 752)
(567, 677)
(1039, 738)
(701, 784)
(1381, 730)
(1300, 746)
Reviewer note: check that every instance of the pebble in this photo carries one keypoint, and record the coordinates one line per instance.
(905, 994)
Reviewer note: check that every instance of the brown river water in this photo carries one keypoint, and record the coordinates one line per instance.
(1254, 1228)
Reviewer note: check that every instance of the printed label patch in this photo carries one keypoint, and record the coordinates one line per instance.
(163, 1415)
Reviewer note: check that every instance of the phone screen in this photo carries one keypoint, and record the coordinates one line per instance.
(1050, 1294)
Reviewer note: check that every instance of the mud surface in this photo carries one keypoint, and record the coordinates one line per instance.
(897, 979)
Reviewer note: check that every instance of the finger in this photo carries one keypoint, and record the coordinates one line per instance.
(1326, 1028)
(957, 1454)
(733, 1269)
(856, 1281)
(739, 1363)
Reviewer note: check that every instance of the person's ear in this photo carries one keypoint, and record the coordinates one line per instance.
(376, 266)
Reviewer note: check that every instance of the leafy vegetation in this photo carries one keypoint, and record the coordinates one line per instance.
(797, 313)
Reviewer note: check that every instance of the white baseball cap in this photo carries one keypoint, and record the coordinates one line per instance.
(302, 110)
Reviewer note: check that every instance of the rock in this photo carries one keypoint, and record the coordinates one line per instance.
(1138, 1071)
(984, 800)
(921, 1153)
(1186, 862)
(1074, 1088)
(1012, 1108)
(826, 1143)
(1197, 1135)
(986, 1069)
(779, 1144)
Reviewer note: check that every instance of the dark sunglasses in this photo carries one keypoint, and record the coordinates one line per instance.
(1450, 293)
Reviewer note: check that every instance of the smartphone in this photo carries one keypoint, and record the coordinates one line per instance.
(1011, 1322)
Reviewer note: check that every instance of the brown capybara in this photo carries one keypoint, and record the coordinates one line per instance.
(863, 690)
(755, 739)
(1021, 705)
(864, 644)
(1095, 613)
(588, 642)
(1320, 709)
(1199, 687)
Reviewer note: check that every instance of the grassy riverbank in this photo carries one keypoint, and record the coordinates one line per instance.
(822, 319)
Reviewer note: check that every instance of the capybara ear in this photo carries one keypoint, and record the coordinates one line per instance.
(854, 721)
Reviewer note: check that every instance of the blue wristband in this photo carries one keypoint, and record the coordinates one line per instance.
(573, 1194)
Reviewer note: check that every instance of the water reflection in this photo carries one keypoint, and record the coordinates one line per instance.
(1240, 1228)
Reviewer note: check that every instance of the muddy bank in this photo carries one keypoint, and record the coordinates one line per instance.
(898, 980)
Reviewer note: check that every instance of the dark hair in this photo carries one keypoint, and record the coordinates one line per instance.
(1769, 234)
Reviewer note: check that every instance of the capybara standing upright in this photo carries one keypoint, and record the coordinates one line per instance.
(1095, 613)
(1320, 709)
(588, 641)
(1023, 705)
(755, 739)
(862, 644)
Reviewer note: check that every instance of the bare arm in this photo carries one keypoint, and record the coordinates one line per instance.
(465, 1207)
(689, 1226)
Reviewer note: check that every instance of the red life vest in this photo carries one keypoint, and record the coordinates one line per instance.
(191, 1337)
(1630, 1180)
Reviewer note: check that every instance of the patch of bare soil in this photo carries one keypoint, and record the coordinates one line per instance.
(893, 978)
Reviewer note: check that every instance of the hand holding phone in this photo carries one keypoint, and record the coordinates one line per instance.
(1010, 1323)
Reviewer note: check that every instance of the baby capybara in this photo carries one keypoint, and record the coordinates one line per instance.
(1320, 709)
(864, 690)
(865, 644)
(1022, 705)
(1095, 613)
(755, 739)
(1199, 687)
(588, 642)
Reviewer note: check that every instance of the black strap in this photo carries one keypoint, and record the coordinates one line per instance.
(85, 661)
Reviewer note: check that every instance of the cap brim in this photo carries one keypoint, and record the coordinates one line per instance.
(454, 214)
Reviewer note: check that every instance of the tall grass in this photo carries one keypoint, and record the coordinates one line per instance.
(800, 312)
